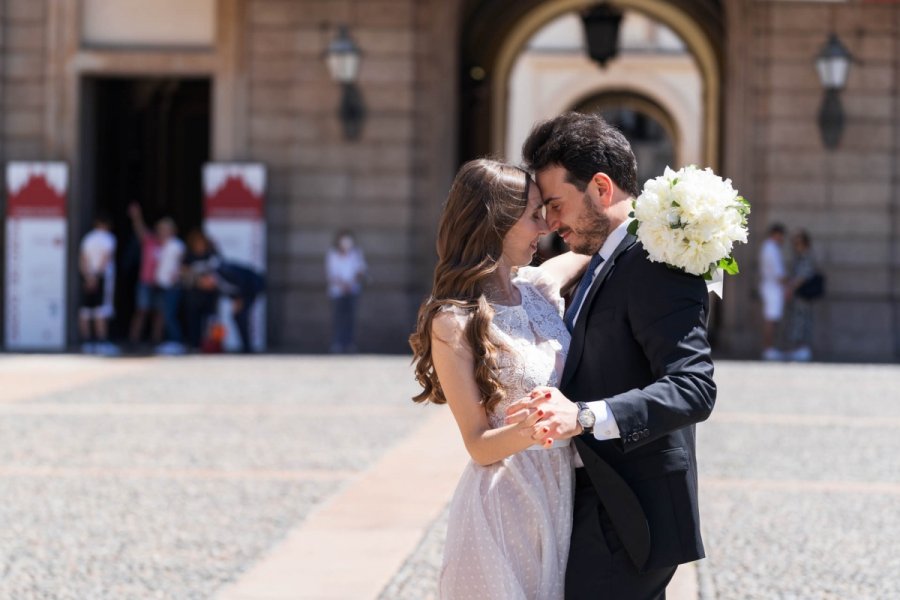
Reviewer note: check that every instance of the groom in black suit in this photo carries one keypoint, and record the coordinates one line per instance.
(638, 376)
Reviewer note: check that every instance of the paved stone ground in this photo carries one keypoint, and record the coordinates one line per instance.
(171, 478)
(800, 487)
(168, 478)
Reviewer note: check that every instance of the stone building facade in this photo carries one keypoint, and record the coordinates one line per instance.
(433, 78)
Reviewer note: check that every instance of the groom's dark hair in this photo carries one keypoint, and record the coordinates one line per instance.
(583, 144)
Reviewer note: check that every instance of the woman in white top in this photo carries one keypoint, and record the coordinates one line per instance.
(346, 269)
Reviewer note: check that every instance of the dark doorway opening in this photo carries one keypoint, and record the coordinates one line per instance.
(144, 140)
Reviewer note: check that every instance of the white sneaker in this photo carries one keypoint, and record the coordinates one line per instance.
(107, 349)
(170, 349)
(772, 354)
(802, 354)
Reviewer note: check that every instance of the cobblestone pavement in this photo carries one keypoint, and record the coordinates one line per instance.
(800, 487)
(169, 478)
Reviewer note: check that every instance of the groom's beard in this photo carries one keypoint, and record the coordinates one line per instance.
(592, 229)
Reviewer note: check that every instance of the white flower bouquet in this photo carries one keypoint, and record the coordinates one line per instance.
(690, 219)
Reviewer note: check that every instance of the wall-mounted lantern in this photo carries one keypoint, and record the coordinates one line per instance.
(601, 31)
(343, 57)
(833, 66)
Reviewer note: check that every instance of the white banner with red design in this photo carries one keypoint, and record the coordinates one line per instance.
(35, 277)
(234, 196)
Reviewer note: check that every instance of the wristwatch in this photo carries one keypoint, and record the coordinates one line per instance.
(586, 417)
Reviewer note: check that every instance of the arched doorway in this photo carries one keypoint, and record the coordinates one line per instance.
(653, 80)
(494, 32)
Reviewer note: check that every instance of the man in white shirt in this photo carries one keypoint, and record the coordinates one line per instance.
(168, 276)
(97, 266)
(771, 288)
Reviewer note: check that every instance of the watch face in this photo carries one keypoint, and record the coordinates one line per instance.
(586, 417)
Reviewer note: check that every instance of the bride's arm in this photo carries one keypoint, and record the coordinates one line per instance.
(455, 367)
(565, 268)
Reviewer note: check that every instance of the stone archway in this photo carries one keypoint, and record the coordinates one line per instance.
(493, 35)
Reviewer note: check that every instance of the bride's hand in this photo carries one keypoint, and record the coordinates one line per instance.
(558, 415)
(530, 418)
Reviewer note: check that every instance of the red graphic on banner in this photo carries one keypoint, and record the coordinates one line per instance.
(37, 198)
(234, 199)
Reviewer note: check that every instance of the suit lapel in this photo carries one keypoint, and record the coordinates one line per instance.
(577, 344)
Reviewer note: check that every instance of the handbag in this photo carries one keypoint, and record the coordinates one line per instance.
(812, 288)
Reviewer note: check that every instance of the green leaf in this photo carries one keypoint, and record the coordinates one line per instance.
(729, 265)
(633, 227)
(675, 204)
(631, 215)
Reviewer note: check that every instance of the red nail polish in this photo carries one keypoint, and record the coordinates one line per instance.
(540, 413)
(547, 394)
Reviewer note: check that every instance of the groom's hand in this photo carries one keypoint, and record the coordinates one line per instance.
(559, 415)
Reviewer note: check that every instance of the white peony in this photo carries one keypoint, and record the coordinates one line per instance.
(690, 219)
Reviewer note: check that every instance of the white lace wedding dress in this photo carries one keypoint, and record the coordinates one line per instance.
(510, 522)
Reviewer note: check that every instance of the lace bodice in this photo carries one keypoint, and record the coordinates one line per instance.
(534, 338)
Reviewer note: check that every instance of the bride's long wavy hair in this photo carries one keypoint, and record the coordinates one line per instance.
(486, 199)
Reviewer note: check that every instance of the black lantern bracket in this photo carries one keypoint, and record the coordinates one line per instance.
(343, 58)
(833, 67)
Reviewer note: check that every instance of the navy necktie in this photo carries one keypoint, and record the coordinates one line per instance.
(584, 285)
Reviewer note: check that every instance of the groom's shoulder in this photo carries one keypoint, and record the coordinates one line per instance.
(653, 273)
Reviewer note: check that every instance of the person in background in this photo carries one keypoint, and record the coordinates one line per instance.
(146, 287)
(97, 266)
(240, 283)
(772, 288)
(168, 274)
(799, 328)
(346, 270)
(200, 302)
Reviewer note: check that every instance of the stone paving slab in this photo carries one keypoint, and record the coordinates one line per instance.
(352, 546)
(797, 544)
(172, 478)
(168, 478)
(83, 538)
(799, 483)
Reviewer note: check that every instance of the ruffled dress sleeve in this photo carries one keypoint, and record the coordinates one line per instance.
(460, 315)
(546, 286)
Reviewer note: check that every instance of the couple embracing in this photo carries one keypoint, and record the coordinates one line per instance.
(580, 419)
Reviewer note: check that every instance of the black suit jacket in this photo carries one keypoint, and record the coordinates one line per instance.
(640, 343)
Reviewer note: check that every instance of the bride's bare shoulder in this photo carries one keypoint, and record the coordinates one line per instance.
(448, 326)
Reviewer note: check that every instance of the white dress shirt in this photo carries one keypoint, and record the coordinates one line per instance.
(605, 427)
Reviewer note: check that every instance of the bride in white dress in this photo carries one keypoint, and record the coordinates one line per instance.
(491, 333)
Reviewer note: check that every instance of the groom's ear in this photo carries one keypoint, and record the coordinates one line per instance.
(602, 189)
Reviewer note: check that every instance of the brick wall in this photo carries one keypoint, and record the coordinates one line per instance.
(23, 80)
(847, 198)
(319, 181)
